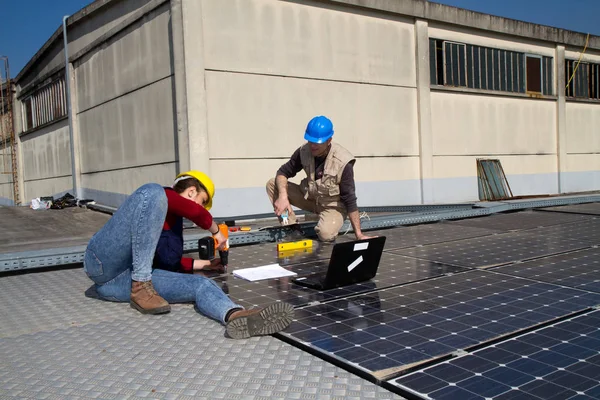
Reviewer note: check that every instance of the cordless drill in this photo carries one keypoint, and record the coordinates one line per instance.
(207, 247)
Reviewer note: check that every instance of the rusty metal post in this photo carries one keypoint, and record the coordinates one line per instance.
(9, 139)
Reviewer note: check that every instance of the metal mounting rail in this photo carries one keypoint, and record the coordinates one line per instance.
(408, 215)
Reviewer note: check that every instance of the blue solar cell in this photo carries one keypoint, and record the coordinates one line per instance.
(530, 367)
(454, 393)
(573, 351)
(585, 369)
(553, 358)
(497, 355)
(515, 395)
(407, 356)
(474, 363)
(450, 373)
(521, 348)
(508, 376)
(381, 346)
(337, 329)
(379, 363)
(424, 383)
(356, 354)
(570, 380)
(357, 337)
(483, 386)
(594, 392)
(457, 341)
(547, 390)
(434, 348)
(332, 344)
(407, 339)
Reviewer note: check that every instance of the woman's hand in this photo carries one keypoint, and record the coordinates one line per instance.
(214, 265)
(221, 240)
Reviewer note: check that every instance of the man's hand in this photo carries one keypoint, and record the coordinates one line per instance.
(281, 205)
(362, 236)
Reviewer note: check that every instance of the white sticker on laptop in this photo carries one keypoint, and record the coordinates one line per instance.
(355, 263)
(361, 246)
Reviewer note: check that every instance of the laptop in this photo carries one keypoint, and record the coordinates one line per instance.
(350, 262)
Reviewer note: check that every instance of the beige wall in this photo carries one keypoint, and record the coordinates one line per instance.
(81, 34)
(273, 65)
(126, 109)
(466, 124)
(46, 161)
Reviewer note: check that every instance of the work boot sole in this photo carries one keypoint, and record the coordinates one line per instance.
(153, 311)
(271, 319)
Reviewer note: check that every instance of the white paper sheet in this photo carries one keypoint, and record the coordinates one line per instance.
(270, 271)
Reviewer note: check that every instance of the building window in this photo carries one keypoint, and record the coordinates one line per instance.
(583, 80)
(478, 67)
(46, 104)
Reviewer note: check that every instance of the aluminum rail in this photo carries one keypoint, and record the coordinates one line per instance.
(404, 215)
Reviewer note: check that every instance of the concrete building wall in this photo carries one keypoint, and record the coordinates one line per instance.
(271, 66)
(82, 34)
(125, 106)
(520, 132)
(46, 162)
(583, 136)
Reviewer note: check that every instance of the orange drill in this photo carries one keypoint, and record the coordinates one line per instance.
(207, 247)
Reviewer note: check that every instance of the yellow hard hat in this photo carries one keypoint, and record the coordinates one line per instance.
(205, 181)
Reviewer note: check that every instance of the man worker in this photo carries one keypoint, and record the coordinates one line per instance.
(328, 189)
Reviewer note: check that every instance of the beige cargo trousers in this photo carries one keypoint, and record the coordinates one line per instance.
(331, 219)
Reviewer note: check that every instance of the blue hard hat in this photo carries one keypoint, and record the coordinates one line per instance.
(318, 130)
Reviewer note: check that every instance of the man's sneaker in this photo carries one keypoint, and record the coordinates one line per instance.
(260, 321)
(145, 299)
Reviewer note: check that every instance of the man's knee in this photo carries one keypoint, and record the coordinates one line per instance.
(326, 233)
(270, 187)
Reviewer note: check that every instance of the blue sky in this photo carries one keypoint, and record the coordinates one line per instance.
(27, 24)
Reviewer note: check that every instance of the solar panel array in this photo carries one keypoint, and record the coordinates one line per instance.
(506, 289)
(561, 361)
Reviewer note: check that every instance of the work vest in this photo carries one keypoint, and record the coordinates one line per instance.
(324, 191)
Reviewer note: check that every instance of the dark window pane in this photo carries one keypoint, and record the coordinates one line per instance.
(490, 69)
(432, 63)
(521, 73)
(484, 67)
(439, 48)
(476, 68)
(470, 72)
(534, 80)
(509, 71)
(447, 63)
(455, 64)
(462, 81)
(568, 72)
(502, 65)
(548, 76)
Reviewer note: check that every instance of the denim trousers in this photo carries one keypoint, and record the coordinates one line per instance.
(123, 250)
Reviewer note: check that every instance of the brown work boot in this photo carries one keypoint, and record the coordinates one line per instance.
(243, 324)
(145, 299)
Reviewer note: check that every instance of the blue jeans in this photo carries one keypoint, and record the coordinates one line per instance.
(123, 250)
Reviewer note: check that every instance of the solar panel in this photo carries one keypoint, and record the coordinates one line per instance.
(580, 269)
(585, 231)
(394, 328)
(419, 235)
(561, 361)
(587, 208)
(393, 270)
(519, 220)
(493, 250)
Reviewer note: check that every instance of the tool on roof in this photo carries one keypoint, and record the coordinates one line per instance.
(207, 247)
(300, 244)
